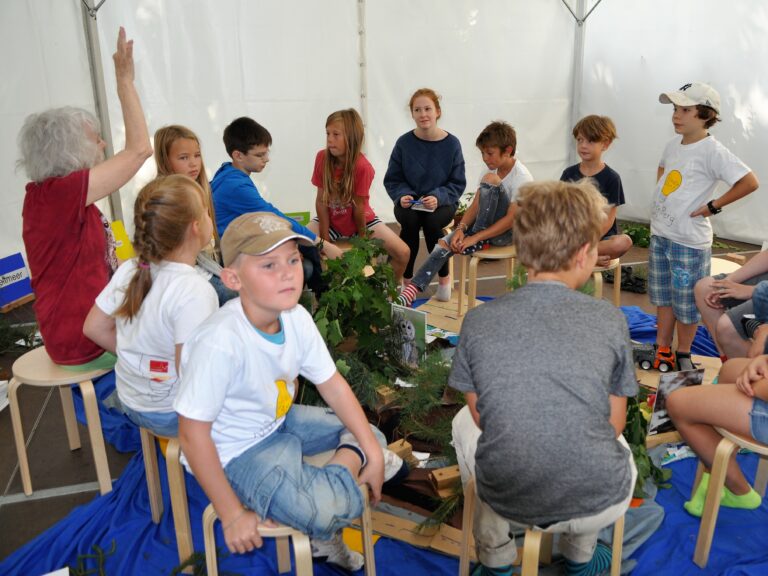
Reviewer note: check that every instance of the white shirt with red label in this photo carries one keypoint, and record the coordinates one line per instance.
(178, 302)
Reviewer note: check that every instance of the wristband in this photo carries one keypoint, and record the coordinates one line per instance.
(712, 209)
(235, 519)
(462, 226)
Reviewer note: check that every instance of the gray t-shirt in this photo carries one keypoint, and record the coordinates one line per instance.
(543, 361)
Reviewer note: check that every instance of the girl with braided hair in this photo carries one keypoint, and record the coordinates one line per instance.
(155, 301)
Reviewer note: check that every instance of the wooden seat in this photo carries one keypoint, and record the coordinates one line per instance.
(537, 546)
(597, 275)
(723, 453)
(35, 368)
(302, 550)
(176, 487)
(507, 253)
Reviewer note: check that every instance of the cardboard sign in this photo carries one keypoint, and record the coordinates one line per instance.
(14, 279)
(300, 217)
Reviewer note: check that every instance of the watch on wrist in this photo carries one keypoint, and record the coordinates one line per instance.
(712, 209)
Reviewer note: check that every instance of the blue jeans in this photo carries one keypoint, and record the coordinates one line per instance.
(758, 420)
(223, 293)
(760, 301)
(159, 423)
(272, 479)
(493, 206)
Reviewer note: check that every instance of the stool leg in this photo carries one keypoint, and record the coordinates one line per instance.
(179, 504)
(598, 277)
(70, 421)
(153, 476)
(617, 286)
(461, 277)
(367, 532)
(545, 554)
(473, 262)
(302, 552)
(97, 438)
(466, 526)
(712, 503)
(618, 545)
(283, 548)
(18, 436)
(531, 554)
(209, 517)
(761, 479)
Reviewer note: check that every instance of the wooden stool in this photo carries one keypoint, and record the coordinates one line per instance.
(302, 550)
(507, 253)
(723, 453)
(597, 275)
(537, 546)
(176, 487)
(35, 368)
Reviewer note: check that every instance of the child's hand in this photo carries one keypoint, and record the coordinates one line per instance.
(373, 475)
(430, 202)
(701, 211)
(406, 201)
(457, 241)
(756, 370)
(331, 251)
(242, 533)
(728, 289)
(123, 58)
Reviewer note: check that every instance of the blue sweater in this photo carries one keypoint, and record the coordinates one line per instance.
(422, 168)
(234, 193)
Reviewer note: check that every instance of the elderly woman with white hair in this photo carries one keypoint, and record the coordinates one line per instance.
(69, 244)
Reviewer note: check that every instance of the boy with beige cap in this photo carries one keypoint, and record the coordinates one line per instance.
(681, 235)
(242, 436)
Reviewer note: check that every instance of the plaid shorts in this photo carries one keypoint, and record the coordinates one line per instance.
(673, 270)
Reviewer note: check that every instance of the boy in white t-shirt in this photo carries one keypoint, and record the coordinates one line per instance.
(489, 218)
(241, 434)
(681, 234)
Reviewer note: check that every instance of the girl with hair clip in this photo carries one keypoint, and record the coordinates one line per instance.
(343, 178)
(177, 151)
(155, 301)
(425, 179)
(69, 244)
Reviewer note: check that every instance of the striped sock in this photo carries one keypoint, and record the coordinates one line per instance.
(408, 295)
(600, 563)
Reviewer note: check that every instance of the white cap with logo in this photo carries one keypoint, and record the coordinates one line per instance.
(693, 94)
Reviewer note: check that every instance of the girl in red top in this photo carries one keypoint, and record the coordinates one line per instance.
(343, 177)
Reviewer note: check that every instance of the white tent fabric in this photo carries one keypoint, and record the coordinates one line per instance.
(202, 63)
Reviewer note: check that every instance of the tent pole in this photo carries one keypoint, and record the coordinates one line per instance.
(100, 94)
(363, 64)
(578, 71)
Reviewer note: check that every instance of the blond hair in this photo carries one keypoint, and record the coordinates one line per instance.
(555, 219)
(162, 213)
(164, 139)
(343, 190)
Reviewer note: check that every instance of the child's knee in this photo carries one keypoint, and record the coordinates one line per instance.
(338, 502)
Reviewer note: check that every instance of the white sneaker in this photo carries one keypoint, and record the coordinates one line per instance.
(394, 466)
(443, 293)
(335, 551)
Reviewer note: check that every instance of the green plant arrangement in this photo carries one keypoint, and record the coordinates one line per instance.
(464, 203)
(639, 232)
(635, 432)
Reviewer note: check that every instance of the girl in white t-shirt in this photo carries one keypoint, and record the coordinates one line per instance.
(155, 301)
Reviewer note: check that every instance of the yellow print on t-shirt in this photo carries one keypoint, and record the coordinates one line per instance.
(672, 182)
(284, 399)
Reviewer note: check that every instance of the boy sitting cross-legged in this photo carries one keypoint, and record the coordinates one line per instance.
(546, 371)
(488, 219)
(594, 135)
(241, 434)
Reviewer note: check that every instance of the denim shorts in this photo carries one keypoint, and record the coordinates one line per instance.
(272, 479)
(335, 235)
(673, 270)
(159, 423)
(758, 423)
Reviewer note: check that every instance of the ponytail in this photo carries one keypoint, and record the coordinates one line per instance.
(163, 211)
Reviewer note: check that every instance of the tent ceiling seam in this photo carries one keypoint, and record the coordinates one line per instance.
(578, 20)
(92, 11)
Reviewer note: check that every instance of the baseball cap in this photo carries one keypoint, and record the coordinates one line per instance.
(257, 233)
(693, 94)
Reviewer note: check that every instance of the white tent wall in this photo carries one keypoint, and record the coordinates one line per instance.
(289, 64)
(636, 50)
(44, 65)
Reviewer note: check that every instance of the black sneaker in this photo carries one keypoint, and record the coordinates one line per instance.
(750, 324)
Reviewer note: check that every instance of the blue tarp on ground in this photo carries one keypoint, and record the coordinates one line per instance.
(122, 517)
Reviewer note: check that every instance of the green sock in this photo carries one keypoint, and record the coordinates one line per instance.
(748, 501)
(695, 506)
